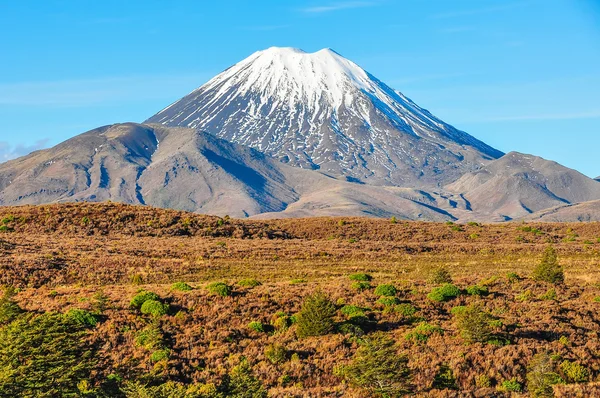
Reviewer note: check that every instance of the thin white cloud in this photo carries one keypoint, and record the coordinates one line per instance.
(339, 6)
(8, 152)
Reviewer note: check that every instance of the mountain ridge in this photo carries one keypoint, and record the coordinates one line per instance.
(322, 111)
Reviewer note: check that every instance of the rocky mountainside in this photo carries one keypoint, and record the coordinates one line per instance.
(186, 169)
(578, 212)
(321, 111)
(517, 185)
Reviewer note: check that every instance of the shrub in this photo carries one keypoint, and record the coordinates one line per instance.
(549, 295)
(483, 381)
(459, 309)
(574, 372)
(385, 290)
(181, 287)
(393, 220)
(82, 317)
(298, 281)
(513, 277)
(361, 286)
(477, 290)
(281, 322)
(241, 383)
(276, 353)
(440, 276)
(316, 316)
(219, 289)
(474, 324)
(444, 293)
(154, 308)
(422, 332)
(151, 337)
(378, 368)
(405, 309)
(361, 277)
(43, 356)
(352, 310)
(597, 299)
(541, 376)
(444, 379)
(256, 326)
(159, 355)
(525, 296)
(388, 301)
(549, 270)
(9, 309)
(511, 385)
(139, 299)
(249, 282)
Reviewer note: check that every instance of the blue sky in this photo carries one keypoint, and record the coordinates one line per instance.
(519, 75)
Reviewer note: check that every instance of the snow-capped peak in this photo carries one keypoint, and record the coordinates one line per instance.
(290, 74)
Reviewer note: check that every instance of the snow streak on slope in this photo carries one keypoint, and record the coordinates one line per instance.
(324, 112)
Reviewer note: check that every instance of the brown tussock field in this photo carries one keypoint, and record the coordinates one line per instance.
(61, 256)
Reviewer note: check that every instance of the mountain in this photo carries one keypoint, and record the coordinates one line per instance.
(597, 178)
(190, 170)
(517, 185)
(323, 112)
(579, 212)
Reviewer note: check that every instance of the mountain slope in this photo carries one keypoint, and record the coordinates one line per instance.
(322, 111)
(185, 169)
(517, 185)
(579, 212)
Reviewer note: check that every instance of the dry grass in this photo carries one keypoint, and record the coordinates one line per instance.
(60, 255)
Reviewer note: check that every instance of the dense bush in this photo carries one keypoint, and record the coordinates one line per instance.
(405, 309)
(43, 356)
(9, 309)
(276, 353)
(574, 372)
(511, 385)
(477, 290)
(82, 317)
(440, 276)
(154, 308)
(219, 289)
(474, 324)
(181, 287)
(422, 332)
(256, 326)
(249, 282)
(386, 290)
(361, 277)
(139, 299)
(541, 376)
(241, 383)
(360, 286)
(388, 301)
(549, 270)
(444, 293)
(444, 378)
(378, 368)
(316, 316)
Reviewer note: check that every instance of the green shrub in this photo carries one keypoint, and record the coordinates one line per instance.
(151, 337)
(444, 293)
(241, 383)
(477, 290)
(276, 353)
(513, 277)
(154, 308)
(256, 326)
(281, 322)
(549, 295)
(139, 299)
(9, 309)
(444, 379)
(82, 317)
(597, 299)
(219, 289)
(361, 277)
(483, 381)
(574, 372)
(352, 310)
(525, 296)
(541, 376)
(405, 309)
(44, 356)
(361, 286)
(378, 369)
(511, 385)
(181, 287)
(440, 276)
(474, 324)
(388, 301)
(249, 282)
(459, 309)
(422, 332)
(316, 316)
(549, 270)
(159, 355)
(298, 281)
(386, 290)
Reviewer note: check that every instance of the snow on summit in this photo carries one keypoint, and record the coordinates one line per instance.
(322, 111)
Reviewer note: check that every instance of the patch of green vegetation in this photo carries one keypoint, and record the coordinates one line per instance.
(386, 290)
(181, 287)
(276, 353)
(444, 293)
(360, 286)
(82, 317)
(440, 276)
(141, 297)
(422, 332)
(574, 372)
(511, 385)
(549, 295)
(298, 281)
(477, 290)
(154, 308)
(360, 277)
(549, 270)
(316, 316)
(219, 289)
(249, 282)
(388, 301)
(541, 376)
(256, 326)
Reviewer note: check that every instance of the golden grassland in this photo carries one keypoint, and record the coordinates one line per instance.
(61, 256)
